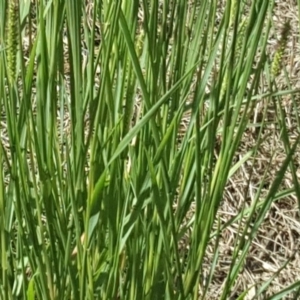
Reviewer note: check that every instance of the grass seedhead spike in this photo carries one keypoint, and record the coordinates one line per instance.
(275, 70)
(12, 39)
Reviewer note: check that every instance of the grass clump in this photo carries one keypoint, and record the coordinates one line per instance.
(121, 137)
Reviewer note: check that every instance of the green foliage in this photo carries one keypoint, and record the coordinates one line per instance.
(96, 146)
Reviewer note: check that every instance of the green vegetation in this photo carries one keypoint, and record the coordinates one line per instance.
(121, 127)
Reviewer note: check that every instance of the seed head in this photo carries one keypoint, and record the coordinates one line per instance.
(277, 60)
(12, 39)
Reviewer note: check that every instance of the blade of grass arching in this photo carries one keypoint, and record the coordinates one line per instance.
(280, 195)
(246, 238)
(274, 187)
(266, 284)
(281, 116)
(24, 14)
(275, 184)
(286, 291)
(134, 59)
(139, 75)
(146, 118)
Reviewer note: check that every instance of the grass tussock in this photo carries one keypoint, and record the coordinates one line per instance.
(149, 150)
